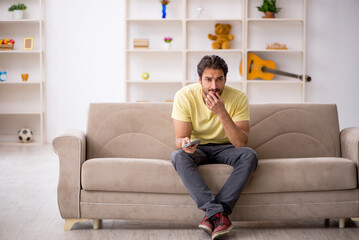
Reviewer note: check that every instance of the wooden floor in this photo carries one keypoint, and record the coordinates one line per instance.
(28, 210)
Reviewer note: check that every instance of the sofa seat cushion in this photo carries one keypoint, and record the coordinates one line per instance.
(131, 175)
(303, 174)
(271, 175)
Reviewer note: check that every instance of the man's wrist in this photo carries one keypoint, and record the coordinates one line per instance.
(223, 115)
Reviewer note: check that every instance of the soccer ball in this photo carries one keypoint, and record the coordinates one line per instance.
(25, 135)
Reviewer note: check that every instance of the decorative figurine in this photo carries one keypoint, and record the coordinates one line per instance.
(222, 37)
(3, 76)
(199, 10)
(277, 46)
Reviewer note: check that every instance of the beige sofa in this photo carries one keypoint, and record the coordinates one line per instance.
(120, 169)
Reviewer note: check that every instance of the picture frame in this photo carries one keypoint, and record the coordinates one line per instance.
(28, 43)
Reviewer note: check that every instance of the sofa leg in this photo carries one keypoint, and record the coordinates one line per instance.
(326, 222)
(97, 224)
(341, 222)
(69, 223)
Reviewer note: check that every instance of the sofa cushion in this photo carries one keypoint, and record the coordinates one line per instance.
(303, 174)
(272, 175)
(143, 130)
(294, 130)
(131, 175)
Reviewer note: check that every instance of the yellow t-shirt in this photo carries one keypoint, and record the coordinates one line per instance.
(188, 106)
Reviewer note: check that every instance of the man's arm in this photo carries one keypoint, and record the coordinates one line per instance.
(183, 132)
(237, 132)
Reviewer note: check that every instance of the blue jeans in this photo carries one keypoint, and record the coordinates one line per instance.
(244, 161)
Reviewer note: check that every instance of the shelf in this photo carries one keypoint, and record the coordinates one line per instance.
(153, 51)
(152, 20)
(213, 9)
(23, 103)
(213, 20)
(153, 92)
(153, 81)
(274, 20)
(268, 32)
(197, 35)
(189, 23)
(21, 51)
(293, 9)
(12, 122)
(274, 81)
(21, 21)
(20, 113)
(19, 83)
(275, 51)
(216, 51)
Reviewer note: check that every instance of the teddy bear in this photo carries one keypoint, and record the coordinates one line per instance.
(222, 37)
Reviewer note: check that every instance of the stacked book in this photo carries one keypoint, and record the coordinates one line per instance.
(140, 43)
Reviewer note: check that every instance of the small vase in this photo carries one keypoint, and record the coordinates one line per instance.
(18, 14)
(167, 45)
(268, 15)
(163, 11)
(25, 77)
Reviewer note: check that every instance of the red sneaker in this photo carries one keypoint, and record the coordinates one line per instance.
(222, 225)
(206, 225)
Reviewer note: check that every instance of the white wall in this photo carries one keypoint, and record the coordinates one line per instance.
(84, 57)
(84, 47)
(332, 56)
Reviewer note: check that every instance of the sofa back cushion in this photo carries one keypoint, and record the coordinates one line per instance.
(145, 130)
(294, 130)
(130, 130)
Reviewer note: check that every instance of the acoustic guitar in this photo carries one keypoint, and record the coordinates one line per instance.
(265, 69)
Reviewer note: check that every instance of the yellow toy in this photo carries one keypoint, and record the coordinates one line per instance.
(222, 37)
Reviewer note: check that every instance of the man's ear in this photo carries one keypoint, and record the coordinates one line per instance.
(199, 80)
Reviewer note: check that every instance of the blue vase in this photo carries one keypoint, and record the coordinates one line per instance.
(163, 11)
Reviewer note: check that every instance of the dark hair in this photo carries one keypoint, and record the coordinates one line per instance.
(213, 62)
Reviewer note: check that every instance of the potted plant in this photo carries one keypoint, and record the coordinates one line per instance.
(167, 42)
(269, 8)
(18, 10)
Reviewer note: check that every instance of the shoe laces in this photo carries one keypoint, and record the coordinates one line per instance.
(216, 219)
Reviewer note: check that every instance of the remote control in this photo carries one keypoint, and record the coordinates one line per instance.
(192, 143)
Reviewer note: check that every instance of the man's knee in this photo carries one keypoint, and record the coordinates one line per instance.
(178, 156)
(246, 156)
(251, 157)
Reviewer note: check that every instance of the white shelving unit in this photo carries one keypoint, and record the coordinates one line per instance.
(172, 69)
(22, 103)
(289, 27)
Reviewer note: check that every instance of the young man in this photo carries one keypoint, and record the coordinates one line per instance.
(218, 115)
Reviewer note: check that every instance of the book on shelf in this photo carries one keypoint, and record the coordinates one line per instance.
(140, 43)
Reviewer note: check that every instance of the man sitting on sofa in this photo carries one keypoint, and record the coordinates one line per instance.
(218, 115)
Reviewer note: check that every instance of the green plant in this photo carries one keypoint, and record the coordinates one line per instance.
(268, 6)
(165, 2)
(168, 39)
(19, 6)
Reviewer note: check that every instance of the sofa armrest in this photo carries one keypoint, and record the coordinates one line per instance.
(349, 140)
(70, 146)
